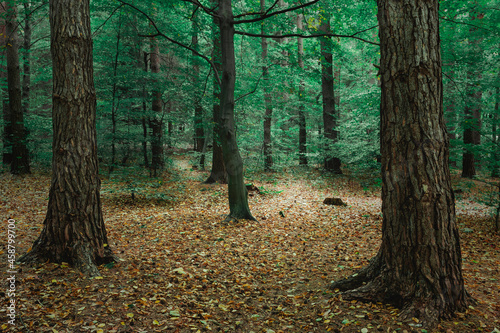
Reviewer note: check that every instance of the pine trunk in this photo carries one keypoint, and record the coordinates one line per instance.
(302, 112)
(218, 173)
(156, 122)
(74, 229)
(419, 264)
(27, 58)
(238, 199)
(332, 163)
(20, 164)
(199, 130)
(268, 154)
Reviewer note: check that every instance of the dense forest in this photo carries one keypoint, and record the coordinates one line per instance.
(250, 166)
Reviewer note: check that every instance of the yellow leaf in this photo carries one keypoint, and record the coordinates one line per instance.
(130, 315)
(156, 322)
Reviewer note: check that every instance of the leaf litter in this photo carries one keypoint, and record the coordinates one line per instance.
(182, 270)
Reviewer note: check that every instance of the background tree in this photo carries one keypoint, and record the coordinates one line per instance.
(74, 229)
(20, 156)
(419, 264)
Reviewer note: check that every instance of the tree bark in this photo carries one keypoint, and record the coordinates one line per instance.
(143, 119)
(472, 112)
(199, 130)
(7, 123)
(238, 196)
(418, 266)
(302, 112)
(218, 173)
(268, 154)
(332, 163)
(27, 58)
(495, 172)
(114, 101)
(156, 122)
(20, 164)
(74, 229)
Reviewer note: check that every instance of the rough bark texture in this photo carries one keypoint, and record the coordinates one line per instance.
(199, 129)
(156, 123)
(332, 163)
(238, 196)
(495, 172)
(74, 230)
(268, 154)
(302, 112)
(218, 173)
(20, 163)
(418, 266)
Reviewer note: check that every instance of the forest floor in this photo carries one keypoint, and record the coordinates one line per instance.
(182, 270)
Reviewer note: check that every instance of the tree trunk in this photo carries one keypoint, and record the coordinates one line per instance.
(238, 199)
(145, 111)
(496, 143)
(20, 156)
(156, 122)
(268, 154)
(302, 112)
(27, 58)
(74, 229)
(7, 123)
(332, 163)
(114, 102)
(199, 130)
(472, 112)
(418, 266)
(218, 173)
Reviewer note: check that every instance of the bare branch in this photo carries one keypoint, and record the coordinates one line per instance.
(106, 21)
(305, 36)
(256, 85)
(209, 11)
(258, 13)
(159, 33)
(267, 15)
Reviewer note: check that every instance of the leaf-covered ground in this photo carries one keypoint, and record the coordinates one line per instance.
(182, 270)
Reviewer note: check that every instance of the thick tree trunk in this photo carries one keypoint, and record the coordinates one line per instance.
(218, 173)
(332, 163)
(418, 266)
(268, 154)
(74, 229)
(156, 122)
(238, 196)
(20, 156)
(199, 130)
(302, 112)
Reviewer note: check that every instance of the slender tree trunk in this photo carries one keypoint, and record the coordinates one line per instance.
(472, 112)
(156, 122)
(199, 130)
(7, 123)
(144, 115)
(114, 102)
(268, 154)
(27, 58)
(218, 173)
(302, 112)
(20, 156)
(74, 229)
(238, 196)
(419, 264)
(332, 163)
(496, 143)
